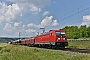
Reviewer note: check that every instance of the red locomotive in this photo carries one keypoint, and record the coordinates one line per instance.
(52, 39)
(55, 38)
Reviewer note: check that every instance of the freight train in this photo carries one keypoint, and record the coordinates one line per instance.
(52, 39)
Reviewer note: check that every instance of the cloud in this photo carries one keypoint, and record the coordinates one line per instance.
(13, 12)
(46, 13)
(39, 3)
(9, 13)
(30, 31)
(9, 28)
(18, 24)
(55, 23)
(31, 25)
(46, 22)
(34, 6)
(86, 20)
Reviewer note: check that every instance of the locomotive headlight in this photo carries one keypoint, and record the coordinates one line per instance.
(58, 38)
(64, 38)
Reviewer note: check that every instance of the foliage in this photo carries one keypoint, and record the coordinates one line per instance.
(73, 32)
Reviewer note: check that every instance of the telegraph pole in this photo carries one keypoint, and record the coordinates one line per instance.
(19, 35)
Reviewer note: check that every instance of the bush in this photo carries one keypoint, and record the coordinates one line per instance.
(0, 48)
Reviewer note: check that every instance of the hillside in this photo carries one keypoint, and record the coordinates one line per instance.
(7, 39)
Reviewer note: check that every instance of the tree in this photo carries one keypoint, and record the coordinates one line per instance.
(75, 32)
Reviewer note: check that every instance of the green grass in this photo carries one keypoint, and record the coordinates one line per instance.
(79, 45)
(17, 52)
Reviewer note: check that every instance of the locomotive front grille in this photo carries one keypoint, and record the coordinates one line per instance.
(62, 44)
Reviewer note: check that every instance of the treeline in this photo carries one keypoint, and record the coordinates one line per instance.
(6, 39)
(75, 32)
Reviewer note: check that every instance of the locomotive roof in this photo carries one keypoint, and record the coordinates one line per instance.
(50, 31)
(57, 30)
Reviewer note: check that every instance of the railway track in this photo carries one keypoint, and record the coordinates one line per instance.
(77, 50)
(68, 50)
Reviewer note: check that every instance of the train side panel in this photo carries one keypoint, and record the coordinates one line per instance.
(27, 41)
(43, 39)
(23, 42)
(52, 37)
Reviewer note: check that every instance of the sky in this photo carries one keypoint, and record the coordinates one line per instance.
(28, 16)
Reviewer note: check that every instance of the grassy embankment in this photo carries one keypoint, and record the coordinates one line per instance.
(80, 45)
(16, 52)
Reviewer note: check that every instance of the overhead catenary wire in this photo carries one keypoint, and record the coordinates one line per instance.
(76, 22)
(75, 14)
(69, 21)
(76, 9)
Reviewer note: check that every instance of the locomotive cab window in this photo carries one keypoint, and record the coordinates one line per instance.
(51, 34)
(60, 34)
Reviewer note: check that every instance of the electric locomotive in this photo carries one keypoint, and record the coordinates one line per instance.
(54, 38)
